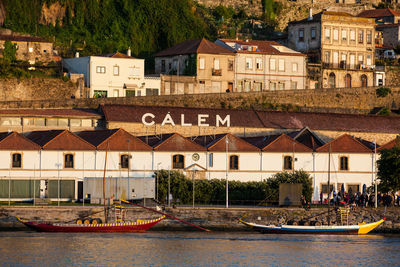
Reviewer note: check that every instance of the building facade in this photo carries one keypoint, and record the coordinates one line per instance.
(195, 67)
(113, 75)
(29, 48)
(61, 165)
(341, 48)
(266, 65)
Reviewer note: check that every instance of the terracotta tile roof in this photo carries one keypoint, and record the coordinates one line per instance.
(81, 113)
(259, 119)
(264, 47)
(114, 140)
(127, 113)
(19, 38)
(286, 144)
(16, 141)
(116, 55)
(176, 142)
(377, 13)
(391, 144)
(345, 144)
(59, 140)
(199, 46)
(235, 144)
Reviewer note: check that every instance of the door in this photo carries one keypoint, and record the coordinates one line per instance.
(230, 87)
(364, 81)
(347, 81)
(43, 189)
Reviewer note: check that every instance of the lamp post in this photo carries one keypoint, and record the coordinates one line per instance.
(193, 176)
(129, 165)
(226, 174)
(58, 187)
(158, 164)
(169, 187)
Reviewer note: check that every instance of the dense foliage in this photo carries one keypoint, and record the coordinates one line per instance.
(208, 191)
(389, 170)
(214, 191)
(103, 26)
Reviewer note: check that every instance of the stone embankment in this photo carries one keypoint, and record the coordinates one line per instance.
(218, 219)
(341, 100)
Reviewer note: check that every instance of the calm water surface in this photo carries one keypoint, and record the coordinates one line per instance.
(195, 249)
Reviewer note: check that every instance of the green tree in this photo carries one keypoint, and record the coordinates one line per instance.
(300, 176)
(9, 52)
(389, 170)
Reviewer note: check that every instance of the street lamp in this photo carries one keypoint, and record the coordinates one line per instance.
(169, 186)
(226, 174)
(193, 176)
(158, 164)
(58, 188)
(129, 164)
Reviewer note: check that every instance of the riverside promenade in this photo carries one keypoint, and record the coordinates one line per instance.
(213, 218)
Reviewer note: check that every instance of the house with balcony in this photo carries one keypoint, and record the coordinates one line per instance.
(340, 49)
(266, 65)
(195, 67)
(113, 75)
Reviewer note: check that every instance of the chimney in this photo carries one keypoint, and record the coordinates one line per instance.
(310, 14)
(129, 51)
(77, 54)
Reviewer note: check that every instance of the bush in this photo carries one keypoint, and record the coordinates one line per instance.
(383, 91)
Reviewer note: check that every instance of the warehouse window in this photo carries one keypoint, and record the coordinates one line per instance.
(234, 162)
(68, 161)
(16, 160)
(344, 163)
(124, 161)
(178, 161)
(288, 163)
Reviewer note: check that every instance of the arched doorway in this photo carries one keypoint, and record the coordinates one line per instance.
(347, 81)
(364, 81)
(332, 80)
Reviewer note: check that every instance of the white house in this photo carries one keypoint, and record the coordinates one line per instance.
(113, 75)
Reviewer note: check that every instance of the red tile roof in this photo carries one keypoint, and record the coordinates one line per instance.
(114, 140)
(59, 140)
(377, 13)
(199, 46)
(263, 47)
(81, 113)
(345, 144)
(284, 143)
(176, 142)
(116, 55)
(19, 38)
(391, 144)
(235, 144)
(16, 141)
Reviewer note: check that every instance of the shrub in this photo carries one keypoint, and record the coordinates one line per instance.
(383, 91)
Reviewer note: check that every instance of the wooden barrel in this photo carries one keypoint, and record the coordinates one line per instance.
(79, 221)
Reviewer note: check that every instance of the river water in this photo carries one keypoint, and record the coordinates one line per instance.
(195, 249)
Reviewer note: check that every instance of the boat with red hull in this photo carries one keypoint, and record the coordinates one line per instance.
(138, 226)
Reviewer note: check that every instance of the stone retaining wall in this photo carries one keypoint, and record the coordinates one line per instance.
(212, 218)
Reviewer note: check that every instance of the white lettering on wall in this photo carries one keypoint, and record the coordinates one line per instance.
(144, 119)
(226, 121)
(183, 121)
(168, 119)
(201, 119)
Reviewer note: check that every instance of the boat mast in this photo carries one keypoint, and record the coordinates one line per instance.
(329, 185)
(104, 186)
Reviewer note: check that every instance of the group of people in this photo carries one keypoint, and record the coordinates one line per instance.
(361, 199)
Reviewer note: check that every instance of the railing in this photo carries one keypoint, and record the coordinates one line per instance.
(345, 66)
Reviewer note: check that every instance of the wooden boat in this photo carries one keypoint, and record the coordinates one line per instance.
(360, 229)
(138, 226)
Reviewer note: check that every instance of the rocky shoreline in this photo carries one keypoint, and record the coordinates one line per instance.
(216, 219)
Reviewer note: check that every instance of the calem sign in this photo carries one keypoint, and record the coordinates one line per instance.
(148, 120)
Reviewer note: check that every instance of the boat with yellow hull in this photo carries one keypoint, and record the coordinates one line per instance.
(360, 229)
